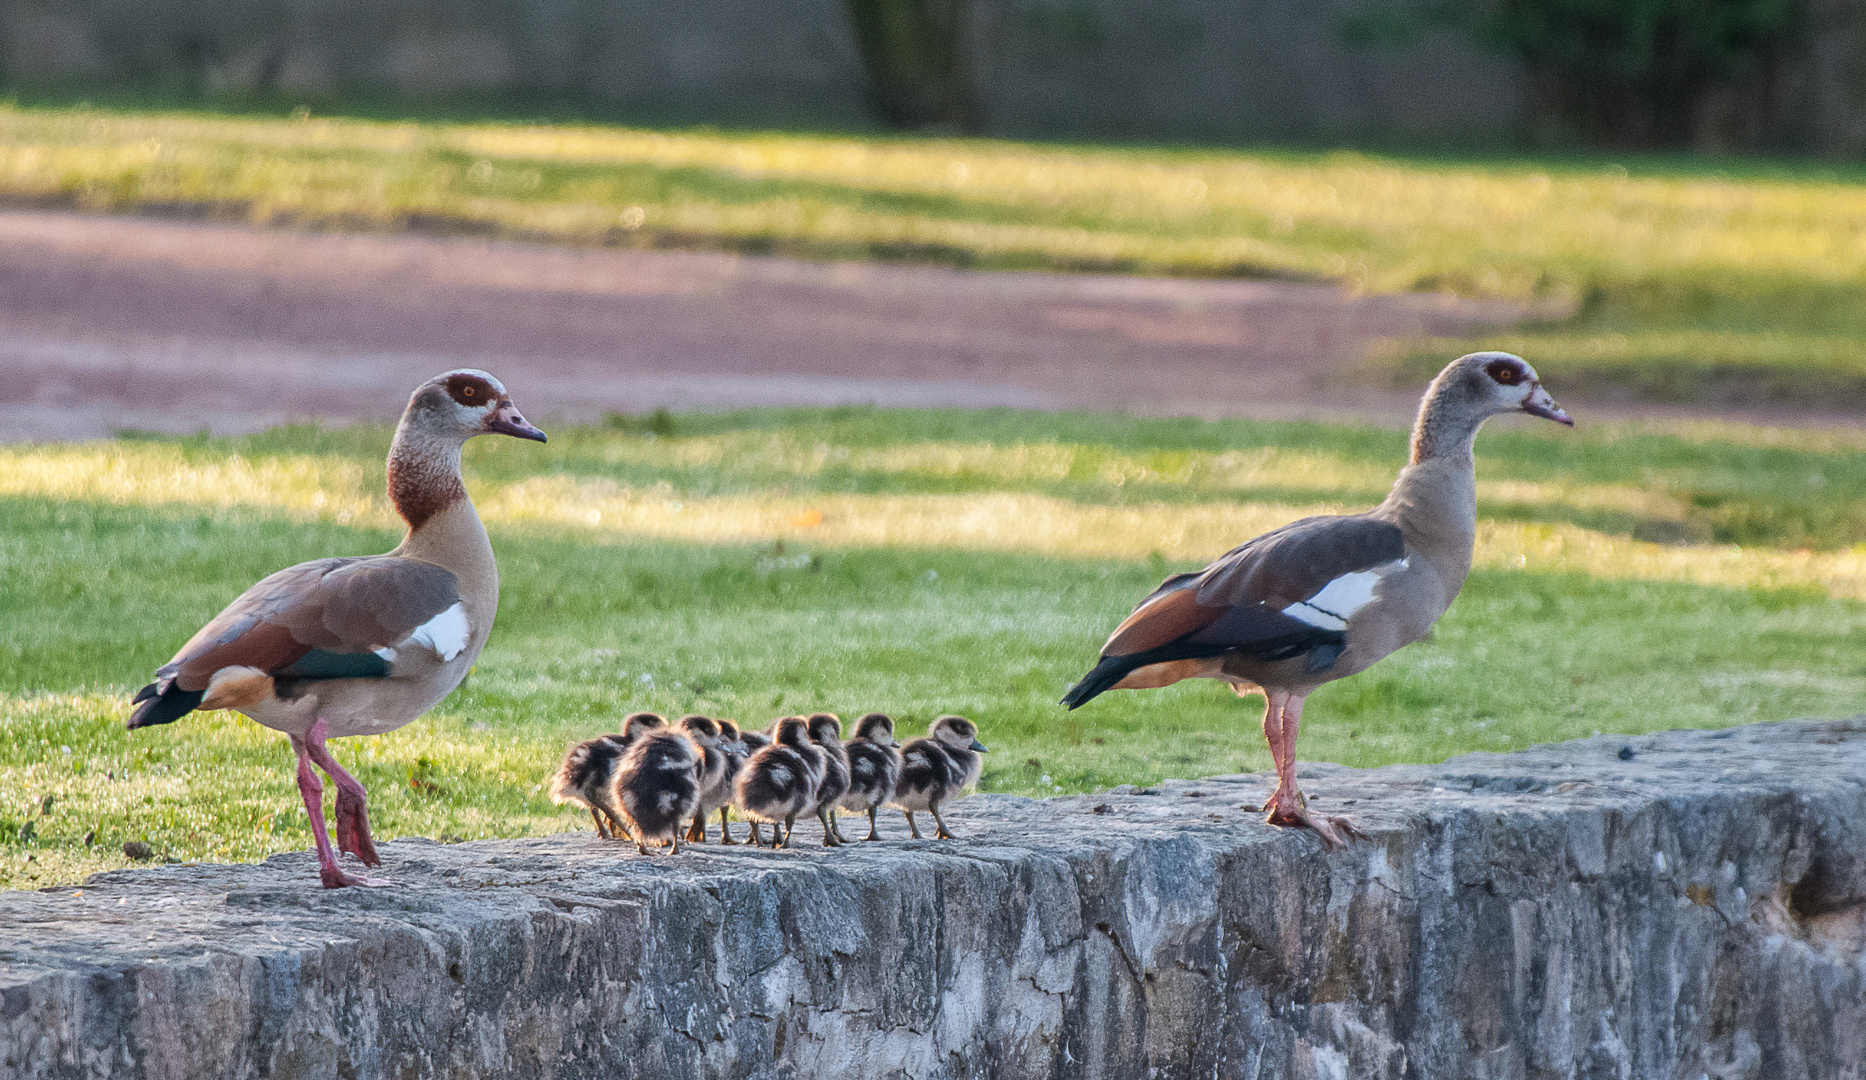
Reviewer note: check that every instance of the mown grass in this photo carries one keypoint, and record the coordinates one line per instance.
(1629, 578)
(1669, 279)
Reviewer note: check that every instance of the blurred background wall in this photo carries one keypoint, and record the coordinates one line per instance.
(1777, 75)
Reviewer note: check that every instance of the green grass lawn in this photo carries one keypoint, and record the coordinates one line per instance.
(1629, 578)
(1670, 279)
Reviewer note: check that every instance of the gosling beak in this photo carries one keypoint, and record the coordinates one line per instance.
(506, 420)
(980, 747)
(1539, 403)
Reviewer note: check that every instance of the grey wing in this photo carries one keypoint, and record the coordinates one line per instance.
(1296, 564)
(301, 620)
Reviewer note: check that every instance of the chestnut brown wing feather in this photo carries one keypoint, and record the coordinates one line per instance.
(1172, 612)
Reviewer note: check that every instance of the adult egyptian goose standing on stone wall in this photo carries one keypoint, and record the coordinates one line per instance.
(360, 645)
(1325, 597)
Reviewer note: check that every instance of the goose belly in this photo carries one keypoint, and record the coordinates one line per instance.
(364, 706)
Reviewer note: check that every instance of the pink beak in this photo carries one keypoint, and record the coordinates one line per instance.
(1539, 403)
(506, 420)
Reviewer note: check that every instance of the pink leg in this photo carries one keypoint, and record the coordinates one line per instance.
(1287, 806)
(312, 789)
(352, 800)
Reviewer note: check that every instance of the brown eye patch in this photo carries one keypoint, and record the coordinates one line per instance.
(1507, 372)
(470, 390)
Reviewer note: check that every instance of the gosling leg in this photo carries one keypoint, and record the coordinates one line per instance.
(725, 832)
(911, 827)
(941, 833)
(874, 832)
(602, 831)
(830, 838)
(836, 828)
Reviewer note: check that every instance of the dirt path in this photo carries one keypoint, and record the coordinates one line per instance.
(110, 322)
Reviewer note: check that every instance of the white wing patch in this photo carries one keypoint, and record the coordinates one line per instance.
(445, 633)
(1331, 608)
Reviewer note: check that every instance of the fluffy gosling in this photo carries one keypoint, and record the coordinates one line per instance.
(874, 768)
(780, 781)
(656, 787)
(937, 768)
(583, 779)
(826, 733)
(715, 775)
(752, 741)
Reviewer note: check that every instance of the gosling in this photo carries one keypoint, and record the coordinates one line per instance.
(937, 768)
(583, 778)
(656, 787)
(874, 768)
(780, 781)
(715, 780)
(751, 742)
(826, 733)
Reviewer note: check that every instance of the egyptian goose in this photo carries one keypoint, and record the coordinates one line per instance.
(752, 741)
(935, 769)
(874, 767)
(656, 787)
(1322, 598)
(733, 754)
(360, 645)
(583, 778)
(780, 781)
(826, 733)
(715, 777)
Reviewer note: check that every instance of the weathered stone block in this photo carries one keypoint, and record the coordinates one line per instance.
(1696, 910)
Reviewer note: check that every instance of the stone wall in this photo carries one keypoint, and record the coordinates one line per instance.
(1160, 69)
(1691, 904)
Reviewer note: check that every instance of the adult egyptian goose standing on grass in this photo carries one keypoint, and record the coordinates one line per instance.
(874, 767)
(360, 645)
(1325, 597)
(584, 777)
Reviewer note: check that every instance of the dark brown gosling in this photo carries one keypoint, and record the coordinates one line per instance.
(752, 741)
(657, 787)
(584, 777)
(874, 768)
(826, 733)
(707, 734)
(936, 769)
(780, 781)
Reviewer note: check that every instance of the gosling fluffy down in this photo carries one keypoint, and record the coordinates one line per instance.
(937, 768)
(780, 781)
(584, 777)
(657, 787)
(826, 733)
(874, 768)
(709, 735)
(751, 742)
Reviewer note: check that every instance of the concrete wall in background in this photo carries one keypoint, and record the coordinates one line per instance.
(1221, 70)
(1167, 69)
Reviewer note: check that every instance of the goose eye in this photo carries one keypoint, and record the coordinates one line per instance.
(1504, 372)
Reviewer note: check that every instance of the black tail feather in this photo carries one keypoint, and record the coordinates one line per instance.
(1322, 647)
(1111, 670)
(165, 707)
